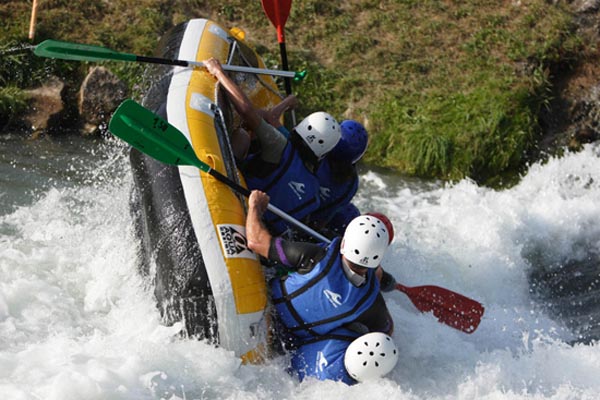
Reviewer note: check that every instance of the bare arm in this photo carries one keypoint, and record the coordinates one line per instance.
(272, 141)
(259, 238)
(242, 104)
(273, 116)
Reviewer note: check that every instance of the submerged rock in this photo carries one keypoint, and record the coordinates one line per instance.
(569, 292)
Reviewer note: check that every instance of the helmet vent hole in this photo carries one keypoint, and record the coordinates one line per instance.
(364, 364)
(359, 353)
(367, 232)
(375, 257)
(371, 353)
(356, 252)
(321, 141)
(309, 127)
(377, 345)
(376, 364)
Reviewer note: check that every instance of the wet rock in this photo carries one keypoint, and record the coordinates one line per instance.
(100, 94)
(569, 292)
(45, 105)
(584, 119)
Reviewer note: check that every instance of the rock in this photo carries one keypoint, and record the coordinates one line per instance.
(100, 94)
(584, 118)
(45, 104)
(586, 6)
(572, 117)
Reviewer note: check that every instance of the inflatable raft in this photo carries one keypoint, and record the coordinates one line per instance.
(192, 227)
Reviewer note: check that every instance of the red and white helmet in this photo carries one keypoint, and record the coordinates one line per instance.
(365, 241)
(320, 131)
(370, 356)
(386, 221)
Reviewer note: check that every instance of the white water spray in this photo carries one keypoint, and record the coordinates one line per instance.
(77, 321)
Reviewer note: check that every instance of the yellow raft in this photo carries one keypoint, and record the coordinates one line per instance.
(192, 226)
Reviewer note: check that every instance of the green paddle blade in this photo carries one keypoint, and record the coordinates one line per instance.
(152, 135)
(80, 52)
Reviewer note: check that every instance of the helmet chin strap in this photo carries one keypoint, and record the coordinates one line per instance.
(354, 278)
(310, 160)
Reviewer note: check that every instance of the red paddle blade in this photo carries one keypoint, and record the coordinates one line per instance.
(278, 12)
(450, 308)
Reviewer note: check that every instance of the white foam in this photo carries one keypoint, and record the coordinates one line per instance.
(76, 321)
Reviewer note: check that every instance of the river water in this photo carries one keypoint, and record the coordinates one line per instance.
(77, 322)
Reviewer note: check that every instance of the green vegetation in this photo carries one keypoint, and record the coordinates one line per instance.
(12, 101)
(447, 89)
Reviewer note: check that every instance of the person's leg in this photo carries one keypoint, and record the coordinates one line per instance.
(240, 143)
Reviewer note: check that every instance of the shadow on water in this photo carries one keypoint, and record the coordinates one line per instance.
(570, 292)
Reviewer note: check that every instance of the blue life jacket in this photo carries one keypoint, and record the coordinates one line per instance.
(291, 187)
(323, 358)
(333, 194)
(315, 303)
(284, 131)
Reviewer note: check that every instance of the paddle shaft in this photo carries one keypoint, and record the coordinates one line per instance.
(33, 20)
(234, 68)
(83, 52)
(245, 192)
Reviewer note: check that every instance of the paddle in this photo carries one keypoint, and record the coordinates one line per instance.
(85, 52)
(32, 21)
(278, 12)
(154, 136)
(451, 308)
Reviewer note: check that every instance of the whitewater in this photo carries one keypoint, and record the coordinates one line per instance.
(78, 322)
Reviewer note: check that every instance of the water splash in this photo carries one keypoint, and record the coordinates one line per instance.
(76, 319)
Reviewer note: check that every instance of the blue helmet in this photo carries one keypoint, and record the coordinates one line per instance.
(342, 218)
(352, 144)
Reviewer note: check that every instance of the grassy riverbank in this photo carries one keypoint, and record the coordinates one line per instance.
(447, 89)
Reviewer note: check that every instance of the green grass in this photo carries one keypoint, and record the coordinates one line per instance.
(12, 102)
(447, 89)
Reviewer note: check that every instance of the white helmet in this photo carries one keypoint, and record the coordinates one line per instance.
(320, 131)
(370, 356)
(365, 241)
